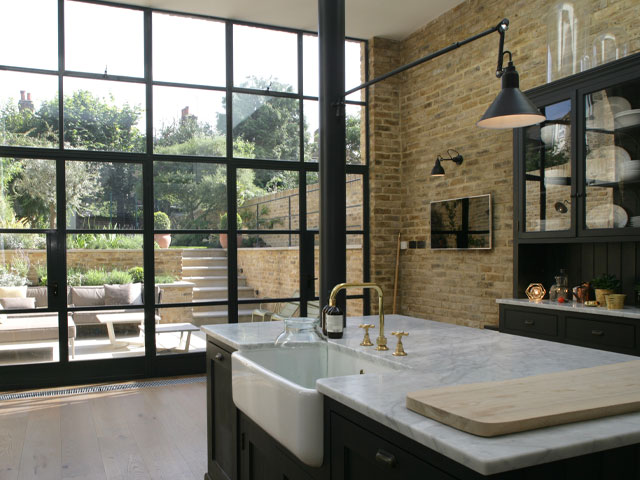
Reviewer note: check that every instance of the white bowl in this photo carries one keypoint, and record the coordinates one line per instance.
(618, 104)
(628, 118)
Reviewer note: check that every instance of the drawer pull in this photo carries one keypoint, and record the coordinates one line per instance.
(219, 357)
(529, 322)
(597, 333)
(387, 458)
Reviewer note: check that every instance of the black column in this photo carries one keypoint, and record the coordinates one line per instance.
(333, 244)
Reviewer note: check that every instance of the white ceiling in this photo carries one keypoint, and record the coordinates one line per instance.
(365, 19)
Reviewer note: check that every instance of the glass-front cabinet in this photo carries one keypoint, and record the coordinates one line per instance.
(578, 173)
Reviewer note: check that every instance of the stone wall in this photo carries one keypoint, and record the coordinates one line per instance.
(167, 261)
(419, 114)
(275, 272)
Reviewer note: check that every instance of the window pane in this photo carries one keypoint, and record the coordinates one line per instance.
(175, 332)
(30, 110)
(266, 127)
(260, 50)
(27, 193)
(311, 64)
(355, 201)
(355, 272)
(103, 195)
(177, 50)
(270, 269)
(193, 195)
(102, 39)
(268, 199)
(355, 134)
(311, 131)
(27, 337)
(189, 122)
(313, 201)
(548, 170)
(33, 50)
(354, 68)
(355, 184)
(103, 115)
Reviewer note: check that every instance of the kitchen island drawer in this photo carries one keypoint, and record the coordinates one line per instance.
(530, 322)
(605, 334)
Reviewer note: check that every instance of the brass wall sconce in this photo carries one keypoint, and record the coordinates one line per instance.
(437, 170)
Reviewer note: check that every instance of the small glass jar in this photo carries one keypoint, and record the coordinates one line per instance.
(300, 331)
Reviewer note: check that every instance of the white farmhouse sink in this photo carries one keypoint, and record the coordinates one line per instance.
(276, 388)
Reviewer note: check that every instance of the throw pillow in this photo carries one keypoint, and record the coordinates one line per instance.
(16, 303)
(128, 294)
(87, 296)
(40, 294)
(13, 292)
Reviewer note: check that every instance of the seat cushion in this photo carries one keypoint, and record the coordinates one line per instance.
(12, 303)
(87, 296)
(13, 292)
(41, 294)
(127, 294)
(33, 329)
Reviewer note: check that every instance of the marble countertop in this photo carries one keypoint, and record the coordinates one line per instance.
(626, 312)
(442, 354)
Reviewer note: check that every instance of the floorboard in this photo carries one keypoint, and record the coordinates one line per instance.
(140, 433)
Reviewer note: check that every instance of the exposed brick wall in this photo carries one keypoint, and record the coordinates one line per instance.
(433, 107)
(168, 261)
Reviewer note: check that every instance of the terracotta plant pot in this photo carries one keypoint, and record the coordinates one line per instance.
(224, 241)
(163, 240)
(601, 295)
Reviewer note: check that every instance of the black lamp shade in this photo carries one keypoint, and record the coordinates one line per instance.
(511, 108)
(437, 170)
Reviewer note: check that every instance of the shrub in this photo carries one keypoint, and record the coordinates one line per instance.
(224, 223)
(93, 277)
(137, 274)
(74, 277)
(41, 273)
(104, 241)
(164, 279)
(118, 277)
(161, 221)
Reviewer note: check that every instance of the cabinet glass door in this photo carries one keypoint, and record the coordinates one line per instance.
(547, 162)
(612, 157)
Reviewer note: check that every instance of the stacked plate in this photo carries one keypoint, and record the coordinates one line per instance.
(634, 221)
(630, 171)
(627, 118)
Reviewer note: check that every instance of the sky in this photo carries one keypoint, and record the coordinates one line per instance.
(186, 50)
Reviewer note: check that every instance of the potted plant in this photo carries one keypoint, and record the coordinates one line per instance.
(161, 222)
(604, 285)
(224, 224)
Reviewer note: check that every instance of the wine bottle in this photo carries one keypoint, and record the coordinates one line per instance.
(332, 321)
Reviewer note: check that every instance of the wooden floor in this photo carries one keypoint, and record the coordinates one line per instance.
(144, 433)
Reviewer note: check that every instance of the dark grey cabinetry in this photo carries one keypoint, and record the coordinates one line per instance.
(222, 416)
(604, 332)
(577, 180)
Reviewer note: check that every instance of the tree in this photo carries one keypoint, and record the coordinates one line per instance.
(90, 123)
(37, 180)
(353, 153)
(271, 124)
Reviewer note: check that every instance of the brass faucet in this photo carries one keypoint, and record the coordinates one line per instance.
(381, 341)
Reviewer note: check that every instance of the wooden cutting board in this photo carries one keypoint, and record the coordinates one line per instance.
(497, 408)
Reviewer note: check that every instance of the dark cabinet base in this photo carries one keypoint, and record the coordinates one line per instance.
(357, 447)
(604, 332)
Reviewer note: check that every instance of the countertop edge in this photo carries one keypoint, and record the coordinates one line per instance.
(626, 312)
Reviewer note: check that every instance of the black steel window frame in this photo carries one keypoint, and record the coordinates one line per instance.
(66, 372)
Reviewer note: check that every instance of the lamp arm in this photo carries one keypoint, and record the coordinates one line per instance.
(500, 28)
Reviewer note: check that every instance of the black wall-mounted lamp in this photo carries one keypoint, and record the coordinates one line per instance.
(510, 109)
(437, 170)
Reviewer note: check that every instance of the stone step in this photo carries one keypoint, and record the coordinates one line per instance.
(218, 317)
(216, 293)
(218, 308)
(204, 252)
(210, 280)
(204, 271)
(204, 261)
